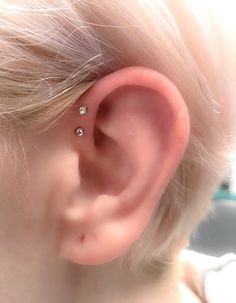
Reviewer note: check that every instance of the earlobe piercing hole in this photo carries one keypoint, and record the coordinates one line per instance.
(82, 238)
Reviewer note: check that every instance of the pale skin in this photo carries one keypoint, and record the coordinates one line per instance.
(73, 205)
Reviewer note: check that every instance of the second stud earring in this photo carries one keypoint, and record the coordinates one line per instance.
(79, 131)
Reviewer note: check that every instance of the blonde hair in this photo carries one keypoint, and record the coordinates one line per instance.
(52, 51)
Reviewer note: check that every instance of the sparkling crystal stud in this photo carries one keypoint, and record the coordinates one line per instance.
(83, 110)
(79, 131)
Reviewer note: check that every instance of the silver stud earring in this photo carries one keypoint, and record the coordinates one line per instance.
(83, 110)
(79, 131)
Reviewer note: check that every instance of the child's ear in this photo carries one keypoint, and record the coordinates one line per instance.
(136, 132)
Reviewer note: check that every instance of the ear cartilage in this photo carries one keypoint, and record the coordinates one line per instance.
(83, 110)
(79, 131)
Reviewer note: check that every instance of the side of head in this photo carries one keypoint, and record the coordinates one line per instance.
(157, 131)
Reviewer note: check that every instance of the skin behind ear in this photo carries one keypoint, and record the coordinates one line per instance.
(136, 132)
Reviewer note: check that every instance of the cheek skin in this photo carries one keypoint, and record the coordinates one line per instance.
(53, 183)
(39, 176)
(16, 226)
(35, 185)
(58, 181)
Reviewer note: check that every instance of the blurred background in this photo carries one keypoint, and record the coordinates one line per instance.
(217, 234)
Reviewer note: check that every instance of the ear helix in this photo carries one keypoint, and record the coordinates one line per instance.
(83, 110)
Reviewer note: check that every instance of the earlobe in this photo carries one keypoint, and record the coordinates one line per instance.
(135, 132)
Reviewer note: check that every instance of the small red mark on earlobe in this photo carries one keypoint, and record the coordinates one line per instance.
(81, 239)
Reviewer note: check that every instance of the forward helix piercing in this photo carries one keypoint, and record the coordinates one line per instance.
(83, 110)
(79, 131)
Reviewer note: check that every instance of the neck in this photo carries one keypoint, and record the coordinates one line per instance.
(34, 279)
